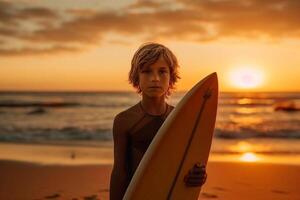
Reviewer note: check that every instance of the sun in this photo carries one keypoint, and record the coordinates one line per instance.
(246, 77)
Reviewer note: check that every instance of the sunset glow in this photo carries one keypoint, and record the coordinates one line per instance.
(47, 46)
(241, 147)
(246, 78)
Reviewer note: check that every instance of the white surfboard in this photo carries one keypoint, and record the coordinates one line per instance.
(183, 140)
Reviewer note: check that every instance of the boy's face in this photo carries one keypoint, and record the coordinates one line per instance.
(154, 79)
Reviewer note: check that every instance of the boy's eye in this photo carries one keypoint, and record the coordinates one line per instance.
(163, 71)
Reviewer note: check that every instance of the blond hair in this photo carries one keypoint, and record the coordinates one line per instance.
(146, 55)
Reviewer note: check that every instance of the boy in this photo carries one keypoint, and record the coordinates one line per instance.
(154, 72)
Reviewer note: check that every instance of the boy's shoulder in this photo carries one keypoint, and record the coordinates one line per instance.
(129, 116)
(133, 111)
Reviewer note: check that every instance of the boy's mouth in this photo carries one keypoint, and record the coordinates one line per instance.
(155, 87)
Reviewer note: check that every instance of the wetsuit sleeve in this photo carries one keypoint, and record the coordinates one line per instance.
(119, 176)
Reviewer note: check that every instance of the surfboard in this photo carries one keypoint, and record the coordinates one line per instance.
(183, 140)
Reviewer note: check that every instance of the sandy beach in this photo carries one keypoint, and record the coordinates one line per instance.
(226, 181)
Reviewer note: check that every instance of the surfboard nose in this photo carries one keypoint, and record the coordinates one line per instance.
(211, 80)
(213, 76)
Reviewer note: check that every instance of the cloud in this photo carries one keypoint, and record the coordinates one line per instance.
(185, 20)
(30, 13)
(6, 17)
(82, 12)
(251, 18)
(10, 14)
(148, 4)
(35, 51)
(7, 31)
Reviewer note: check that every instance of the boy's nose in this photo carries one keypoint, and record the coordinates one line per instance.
(155, 77)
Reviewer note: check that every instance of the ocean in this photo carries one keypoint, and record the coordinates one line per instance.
(267, 123)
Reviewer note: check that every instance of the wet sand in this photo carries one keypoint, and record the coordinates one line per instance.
(226, 181)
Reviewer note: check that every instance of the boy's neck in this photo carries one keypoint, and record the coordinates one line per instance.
(154, 106)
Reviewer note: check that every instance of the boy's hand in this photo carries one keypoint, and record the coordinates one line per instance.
(196, 176)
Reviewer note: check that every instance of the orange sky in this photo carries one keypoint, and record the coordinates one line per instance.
(75, 45)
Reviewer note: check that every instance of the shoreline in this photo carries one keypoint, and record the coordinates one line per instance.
(56, 154)
(102, 153)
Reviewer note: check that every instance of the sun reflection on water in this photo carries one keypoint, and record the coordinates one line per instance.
(246, 110)
(246, 151)
(244, 101)
(249, 157)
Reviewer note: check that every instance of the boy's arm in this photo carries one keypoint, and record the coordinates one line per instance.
(119, 175)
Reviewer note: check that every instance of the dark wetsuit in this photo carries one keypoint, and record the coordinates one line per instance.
(141, 135)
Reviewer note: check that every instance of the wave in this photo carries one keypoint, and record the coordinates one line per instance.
(52, 134)
(245, 104)
(10, 104)
(106, 105)
(252, 133)
(37, 111)
(81, 134)
(265, 152)
(287, 106)
(261, 95)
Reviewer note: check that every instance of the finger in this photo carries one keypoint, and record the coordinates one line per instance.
(198, 179)
(195, 179)
(199, 170)
(202, 166)
(198, 183)
(193, 184)
(198, 165)
(197, 173)
(197, 176)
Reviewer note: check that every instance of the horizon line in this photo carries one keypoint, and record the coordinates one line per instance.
(126, 91)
